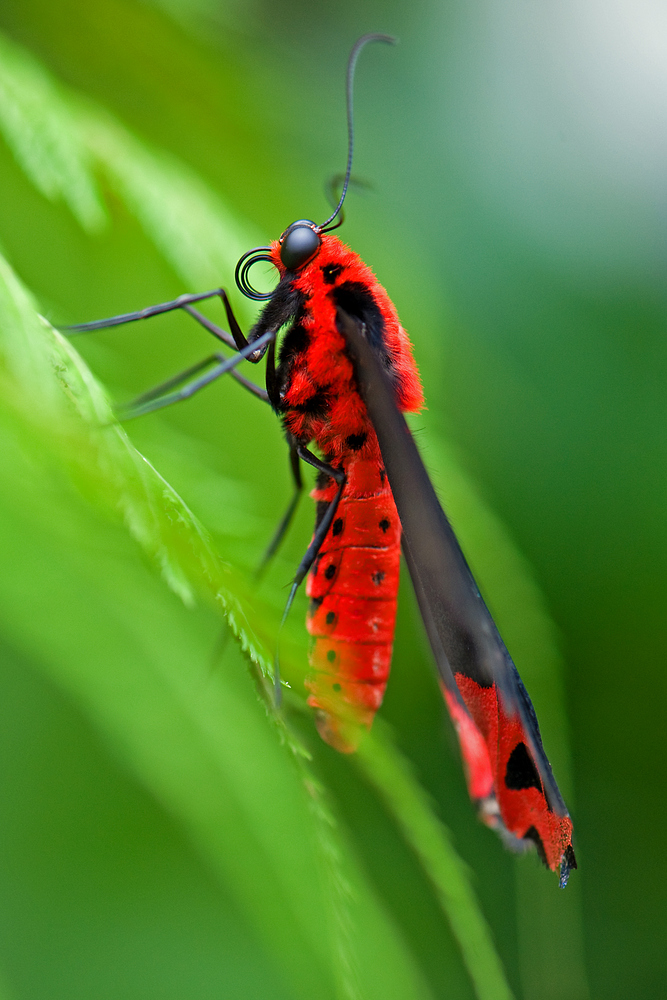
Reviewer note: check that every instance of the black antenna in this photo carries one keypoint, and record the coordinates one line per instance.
(351, 65)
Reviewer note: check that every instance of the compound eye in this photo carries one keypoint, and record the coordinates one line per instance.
(298, 244)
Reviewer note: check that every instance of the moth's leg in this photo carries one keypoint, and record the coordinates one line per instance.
(323, 527)
(176, 380)
(184, 302)
(311, 552)
(235, 339)
(238, 339)
(256, 390)
(286, 519)
(237, 334)
(183, 386)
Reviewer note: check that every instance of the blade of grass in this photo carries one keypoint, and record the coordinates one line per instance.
(388, 771)
(39, 127)
(61, 140)
(189, 224)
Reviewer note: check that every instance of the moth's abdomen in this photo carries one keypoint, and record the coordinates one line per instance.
(353, 588)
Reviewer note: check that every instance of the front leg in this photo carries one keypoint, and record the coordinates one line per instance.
(323, 527)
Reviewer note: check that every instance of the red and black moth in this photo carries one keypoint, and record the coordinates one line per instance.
(342, 380)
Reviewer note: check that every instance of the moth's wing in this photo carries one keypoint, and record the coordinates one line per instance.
(509, 776)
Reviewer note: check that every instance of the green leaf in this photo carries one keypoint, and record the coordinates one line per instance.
(190, 225)
(383, 764)
(39, 126)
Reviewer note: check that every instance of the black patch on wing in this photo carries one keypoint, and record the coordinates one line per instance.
(521, 771)
(356, 300)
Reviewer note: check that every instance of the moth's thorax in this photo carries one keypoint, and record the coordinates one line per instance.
(319, 394)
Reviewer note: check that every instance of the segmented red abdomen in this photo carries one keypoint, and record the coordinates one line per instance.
(353, 588)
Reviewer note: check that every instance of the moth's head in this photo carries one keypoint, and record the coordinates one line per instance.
(307, 254)
(304, 245)
(299, 244)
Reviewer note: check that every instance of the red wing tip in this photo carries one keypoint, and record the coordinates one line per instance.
(488, 811)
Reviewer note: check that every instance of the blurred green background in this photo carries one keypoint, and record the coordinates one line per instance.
(515, 212)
